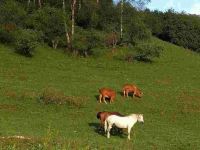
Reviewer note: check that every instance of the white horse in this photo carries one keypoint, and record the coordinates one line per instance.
(122, 122)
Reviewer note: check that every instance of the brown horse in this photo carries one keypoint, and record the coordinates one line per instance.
(102, 116)
(131, 88)
(106, 93)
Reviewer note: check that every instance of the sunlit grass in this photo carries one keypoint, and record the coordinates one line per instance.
(170, 104)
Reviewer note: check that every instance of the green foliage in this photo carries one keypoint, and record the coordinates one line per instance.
(50, 21)
(147, 52)
(12, 16)
(84, 41)
(6, 36)
(136, 31)
(12, 13)
(25, 41)
(178, 28)
(153, 21)
(87, 15)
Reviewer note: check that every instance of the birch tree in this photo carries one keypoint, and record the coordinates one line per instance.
(138, 3)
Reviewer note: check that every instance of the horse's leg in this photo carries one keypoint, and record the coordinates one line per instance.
(111, 100)
(100, 97)
(109, 128)
(124, 93)
(129, 132)
(105, 126)
(104, 99)
(134, 92)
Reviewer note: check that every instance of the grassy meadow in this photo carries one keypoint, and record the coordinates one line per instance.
(171, 101)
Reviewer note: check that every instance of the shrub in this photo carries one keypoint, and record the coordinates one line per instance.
(84, 41)
(112, 39)
(6, 36)
(144, 52)
(25, 41)
(147, 52)
(54, 96)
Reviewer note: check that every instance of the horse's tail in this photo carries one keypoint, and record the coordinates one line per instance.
(105, 125)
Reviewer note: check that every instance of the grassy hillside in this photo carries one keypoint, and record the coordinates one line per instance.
(171, 102)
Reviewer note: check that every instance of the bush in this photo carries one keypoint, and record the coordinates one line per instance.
(6, 36)
(144, 52)
(84, 41)
(147, 52)
(25, 41)
(54, 96)
(112, 39)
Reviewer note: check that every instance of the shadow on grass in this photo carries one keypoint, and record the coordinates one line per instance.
(97, 97)
(122, 94)
(100, 130)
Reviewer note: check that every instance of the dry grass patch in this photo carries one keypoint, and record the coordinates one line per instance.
(8, 107)
(23, 77)
(54, 96)
(189, 102)
(26, 94)
(10, 93)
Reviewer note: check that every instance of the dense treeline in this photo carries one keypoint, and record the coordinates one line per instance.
(178, 28)
(80, 26)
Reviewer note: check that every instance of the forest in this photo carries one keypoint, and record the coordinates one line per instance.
(80, 26)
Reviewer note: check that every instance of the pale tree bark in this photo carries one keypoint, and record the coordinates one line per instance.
(121, 19)
(140, 3)
(73, 6)
(28, 3)
(39, 3)
(65, 25)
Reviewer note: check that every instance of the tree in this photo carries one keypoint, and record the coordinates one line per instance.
(65, 26)
(139, 3)
(49, 20)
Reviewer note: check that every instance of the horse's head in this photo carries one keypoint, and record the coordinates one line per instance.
(98, 115)
(139, 93)
(140, 118)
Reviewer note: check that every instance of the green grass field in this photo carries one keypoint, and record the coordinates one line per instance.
(171, 101)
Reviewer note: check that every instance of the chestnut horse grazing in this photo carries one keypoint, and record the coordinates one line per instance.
(106, 93)
(102, 116)
(131, 88)
(122, 122)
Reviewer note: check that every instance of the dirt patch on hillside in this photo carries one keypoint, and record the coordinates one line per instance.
(189, 101)
(8, 107)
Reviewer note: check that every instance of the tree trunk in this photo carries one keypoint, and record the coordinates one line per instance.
(55, 43)
(73, 16)
(28, 3)
(39, 4)
(65, 25)
(121, 20)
